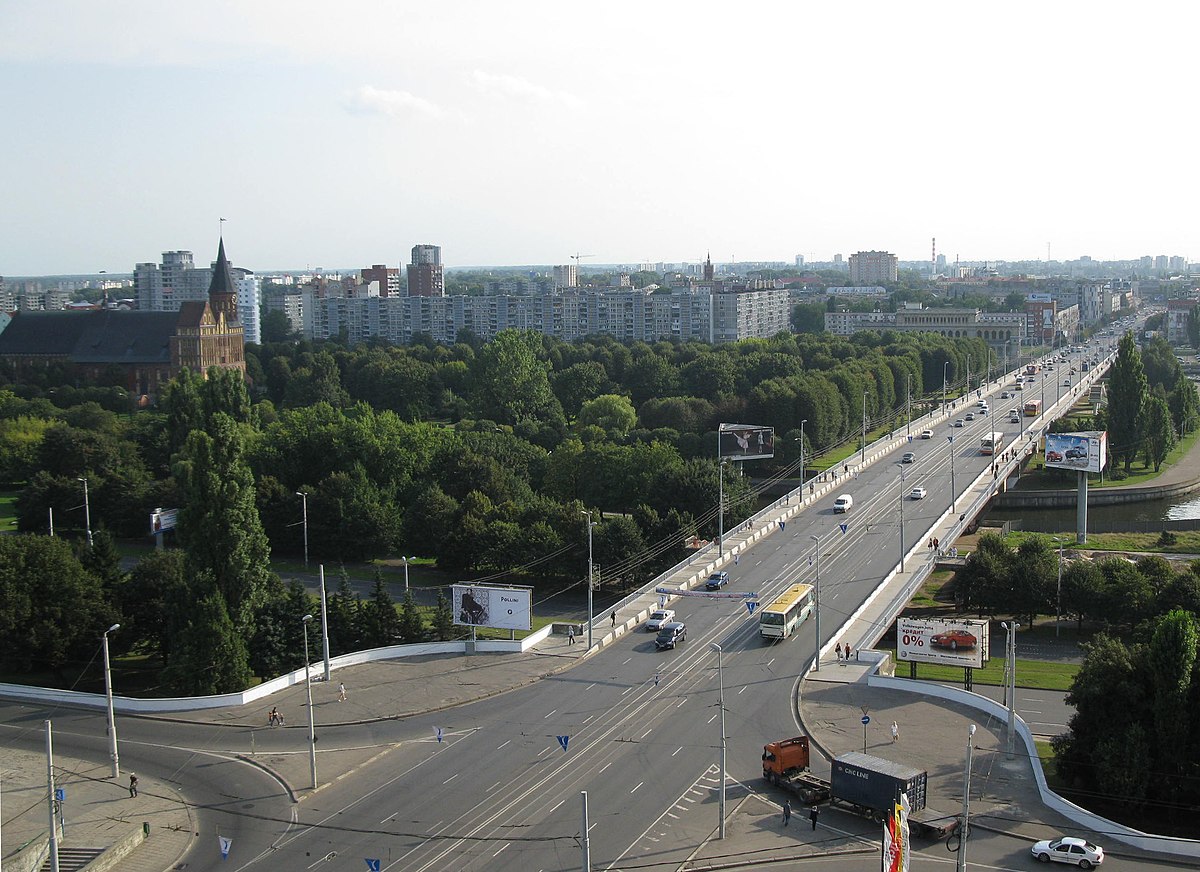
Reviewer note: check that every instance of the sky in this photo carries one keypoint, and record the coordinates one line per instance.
(340, 134)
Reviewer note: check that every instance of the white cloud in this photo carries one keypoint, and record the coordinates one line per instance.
(396, 103)
(521, 89)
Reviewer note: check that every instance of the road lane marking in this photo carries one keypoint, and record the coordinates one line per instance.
(590, 686)
(556, 805)
(772, 660)
(677, 750)
(647, 733)
(635, 790)
(713, 718)
(504, 744)
(681, 702)
(502, 848)
(626, 690)
(551, 713)
(451, 778)
(626, 660)
(493, 787)
(605, 766)
(588, 718)
(543, 751)
(743, 688)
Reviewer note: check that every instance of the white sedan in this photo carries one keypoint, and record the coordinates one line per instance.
(918, 493)
(1077, 852)
(658, 617)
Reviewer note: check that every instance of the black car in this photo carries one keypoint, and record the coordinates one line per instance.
(670, 635)
(1076, 453)
(716, 581)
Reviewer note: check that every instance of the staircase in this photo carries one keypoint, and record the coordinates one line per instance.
(73, 859)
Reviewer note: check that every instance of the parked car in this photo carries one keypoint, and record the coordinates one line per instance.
(717, 580)
(953, 639)
(908, 457)
(670, 635)
(658, 617)
(926, 434)
(1078, 852)
(918, 493)
(1053, 456)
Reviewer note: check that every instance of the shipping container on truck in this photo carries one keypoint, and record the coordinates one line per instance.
(871, 786)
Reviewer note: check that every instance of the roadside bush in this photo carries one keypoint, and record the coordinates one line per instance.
(1166, 539)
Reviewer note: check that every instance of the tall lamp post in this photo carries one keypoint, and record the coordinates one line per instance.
(721, 703)
(405, 560)
(1011, 627)
(901, 517)
(964, 831)
(862, 459)
(312, 728)
(108, 698)
(802, 423)
(591, 566)
(304, 520)
(720, 508)
(87, 512)
(1058, 591)
(953, 493)
(817, 603)
(944, 366)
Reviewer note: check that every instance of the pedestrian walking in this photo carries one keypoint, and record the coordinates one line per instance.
(895, 732)
(838, 648)
(614, 618)
(273, 717)
(787, 811)
(133, 790)
(571, 634)
(847, 650)
(341, 692)
(812, 816)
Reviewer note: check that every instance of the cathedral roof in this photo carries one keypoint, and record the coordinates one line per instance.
(222, 277)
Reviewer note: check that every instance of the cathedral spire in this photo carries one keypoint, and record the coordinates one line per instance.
(222, 292)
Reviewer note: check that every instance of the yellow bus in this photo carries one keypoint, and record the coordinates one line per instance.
(781, 618)
(1033, 408)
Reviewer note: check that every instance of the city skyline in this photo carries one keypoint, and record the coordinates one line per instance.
(523, 133)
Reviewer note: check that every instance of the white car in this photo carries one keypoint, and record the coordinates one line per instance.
(658, 617)
(1077, 852)
(918, 493)
(970, 416)
(926, 434)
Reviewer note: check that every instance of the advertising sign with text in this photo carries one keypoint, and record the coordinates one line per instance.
(1082, 452)
(505, 608)
(946, 642)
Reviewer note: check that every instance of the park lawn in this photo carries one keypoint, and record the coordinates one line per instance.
(1033, 674)
(1186, 541)
(1049, 768)
(929, 596)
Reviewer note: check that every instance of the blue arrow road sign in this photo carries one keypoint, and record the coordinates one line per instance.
(866, 719)
(373, 865)
(562, 740)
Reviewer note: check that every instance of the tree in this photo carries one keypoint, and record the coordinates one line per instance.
(154, 600)
(412, 626)
(1127, 394)
(1172, 656)
(443, 618)
(610, 412)
(275, 326)
(219, 526)
(1185, 405)
(381, 624)
(51, 610)
(1083, 590)
(1159, 432)
(512, 383)
(210, 655)
(342, 616)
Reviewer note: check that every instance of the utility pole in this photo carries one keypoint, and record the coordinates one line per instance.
(108, 696)
(591, 584)
(802, 423)
(52, 801)
(87, 512)
(585, 840)
(964, 828)
(312, 729)
(817, 603)
(721, 704)
(863, 455)
(324, 621)
(720, 507)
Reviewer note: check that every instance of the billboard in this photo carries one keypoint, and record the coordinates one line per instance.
(162, 520)
(1082, 452)
(505, 608)
(745, 441)
(946, 642)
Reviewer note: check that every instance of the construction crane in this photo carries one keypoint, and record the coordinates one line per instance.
(576, 257)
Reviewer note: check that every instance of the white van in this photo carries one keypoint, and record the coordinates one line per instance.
(843, 503)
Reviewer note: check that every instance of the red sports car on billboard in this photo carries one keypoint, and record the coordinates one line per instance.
(953, 639)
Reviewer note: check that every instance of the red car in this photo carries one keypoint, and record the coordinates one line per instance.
(953, 639)
(1054, 456)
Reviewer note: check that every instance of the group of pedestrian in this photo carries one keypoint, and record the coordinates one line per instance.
(813, 813)
(933, 543)
(274, 717)
(842, 653)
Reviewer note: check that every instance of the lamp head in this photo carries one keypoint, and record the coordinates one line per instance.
(112, 628)
(972, 731)
(307, 618)
(713, 646)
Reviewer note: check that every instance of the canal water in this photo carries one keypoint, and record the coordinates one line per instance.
(1119, 517)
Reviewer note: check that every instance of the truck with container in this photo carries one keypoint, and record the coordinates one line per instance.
(871, 786)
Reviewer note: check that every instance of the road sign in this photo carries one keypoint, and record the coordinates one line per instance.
(866, 719)
(60, 794)
(562, 740)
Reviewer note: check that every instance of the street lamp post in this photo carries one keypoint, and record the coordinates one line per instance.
(862, 459)
(108, 698)
(953, 493)
(964, 828)
(312, 728)
(802, 423)
(817, 603)
(901, 517)
(720, 508)
(908, 403)
(591, 585)
(304, 520)
(721, 704)
(1011, 627)
(968, 381)
(1058, 591)
(87, 512)
(944, 366)
(405, 560)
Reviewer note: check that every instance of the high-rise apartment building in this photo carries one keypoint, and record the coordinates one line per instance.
(249, 301)
(387, 276)
(167, 287)
(872, 268)
(566, 276)
(425, 278)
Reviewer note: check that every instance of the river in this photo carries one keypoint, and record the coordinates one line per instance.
(1100, 517)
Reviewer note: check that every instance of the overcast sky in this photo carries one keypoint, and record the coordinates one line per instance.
(340, 134)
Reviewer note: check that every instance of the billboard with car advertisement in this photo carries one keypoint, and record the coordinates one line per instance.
(746, 441)
(945, 642)
(1082, 452)
(505, 608)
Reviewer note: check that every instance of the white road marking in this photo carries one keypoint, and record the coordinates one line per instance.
(677, 750)
(502, 848)
(772, 660)
(560, 802)
(605, 766)
(451, 778)
(713, 718)
(626, 690)
(626, 660)
(504, 744)
(551, 713)
(681, 702)
(497, 784)
(744, 687)
(635, 790)
(648, 732)
(590, 686)
(588, 718)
